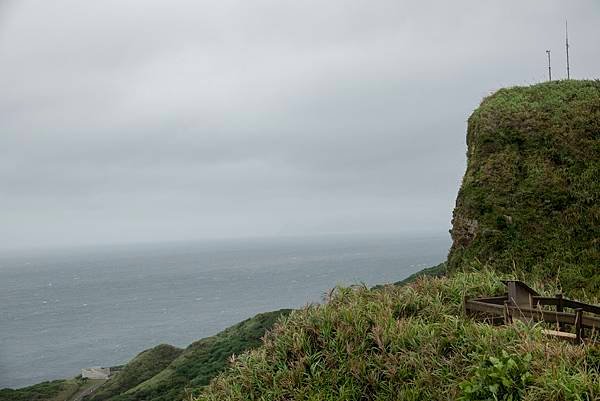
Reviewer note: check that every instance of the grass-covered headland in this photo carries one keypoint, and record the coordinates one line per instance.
(530, 197)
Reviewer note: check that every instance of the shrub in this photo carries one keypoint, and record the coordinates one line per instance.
(502, 378)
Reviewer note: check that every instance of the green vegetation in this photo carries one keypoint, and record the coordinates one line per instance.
(498, 378)
(408, 343)
(530, 197)
(192, 367)
(434, 271)
(141, 368)
(57, 390)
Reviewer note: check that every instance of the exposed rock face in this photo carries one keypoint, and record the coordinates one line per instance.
(530, 197)
(464, 231)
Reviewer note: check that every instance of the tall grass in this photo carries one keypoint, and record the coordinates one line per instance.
(407, 343)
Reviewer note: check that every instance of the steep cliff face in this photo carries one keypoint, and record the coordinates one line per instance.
(530, 197)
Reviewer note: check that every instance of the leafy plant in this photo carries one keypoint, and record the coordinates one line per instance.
(502, 378)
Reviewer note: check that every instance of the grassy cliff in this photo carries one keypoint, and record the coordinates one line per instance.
(530, 197)
(409, 342)
(141, 368)
(166, 373)
(56, 390)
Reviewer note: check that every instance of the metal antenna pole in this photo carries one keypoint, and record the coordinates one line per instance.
(567, 47)
(549, 66)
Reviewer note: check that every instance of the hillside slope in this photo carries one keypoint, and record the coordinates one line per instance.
(56, 390)
(409, 342)
(141, 368)
(530, 197)
(194, 366)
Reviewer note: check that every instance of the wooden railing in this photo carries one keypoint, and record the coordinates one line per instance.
(500, 309)
(561, 302)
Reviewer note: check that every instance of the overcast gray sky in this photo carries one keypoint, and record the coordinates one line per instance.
(129, 121)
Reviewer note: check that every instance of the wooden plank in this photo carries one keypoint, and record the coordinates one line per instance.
(492, 309)
(590, 322)
(561, 334)
(545, 300)
(577, 305)
(544, 315)
(566, 303)
(492, 300)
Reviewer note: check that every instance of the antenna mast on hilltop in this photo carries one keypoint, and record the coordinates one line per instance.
(567, 47)
(549, 66)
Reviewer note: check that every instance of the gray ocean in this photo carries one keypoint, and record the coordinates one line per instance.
(63, 310)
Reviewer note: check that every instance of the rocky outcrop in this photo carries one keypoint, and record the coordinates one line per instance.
(530, 197)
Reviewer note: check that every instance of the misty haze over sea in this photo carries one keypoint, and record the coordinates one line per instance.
(64, 310)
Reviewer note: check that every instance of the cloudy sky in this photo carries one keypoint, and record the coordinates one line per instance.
(133, 121)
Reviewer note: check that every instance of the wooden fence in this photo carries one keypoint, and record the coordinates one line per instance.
(504, 310)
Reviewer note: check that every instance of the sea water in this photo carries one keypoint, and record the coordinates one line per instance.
(63, 310)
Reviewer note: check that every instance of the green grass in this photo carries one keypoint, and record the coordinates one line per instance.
(438, 270)
(198, 363)
(56, 390)
(434, 271)
(530, 197)
(141, 368)
(408, 343)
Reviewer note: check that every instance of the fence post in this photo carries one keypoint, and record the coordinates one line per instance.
(507, 316)
(559, 308)
(531, 305)
(559, 303)
(578, 324)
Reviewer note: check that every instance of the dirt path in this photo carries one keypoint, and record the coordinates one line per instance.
(87, 390)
